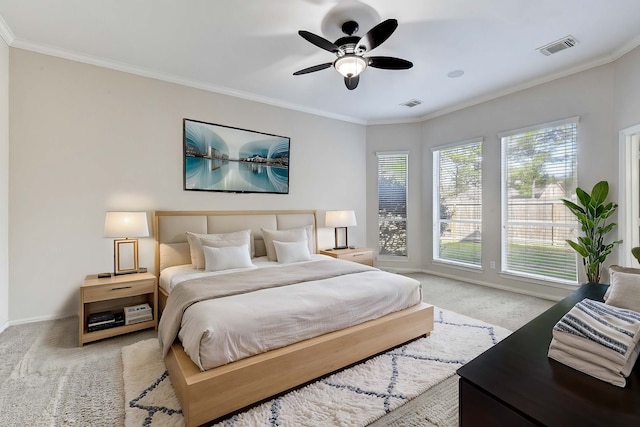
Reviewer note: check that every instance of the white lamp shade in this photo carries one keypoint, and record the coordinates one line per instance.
(126, 224)
(340, 219)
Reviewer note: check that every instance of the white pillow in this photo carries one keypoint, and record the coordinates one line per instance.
(292, 235)
(624, 291)
(235, 238)
(292, 251)
(226, 257)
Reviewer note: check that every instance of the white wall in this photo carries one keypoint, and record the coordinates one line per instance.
(405, 137)
(85, 140)
(4, 184)
(627, 90)
(587, 94)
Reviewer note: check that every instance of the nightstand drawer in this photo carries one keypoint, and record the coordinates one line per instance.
(365, 257)
(359, 255)
(118, 290)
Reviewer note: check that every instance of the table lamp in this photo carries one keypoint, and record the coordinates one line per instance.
(340, 219)
(125, 226)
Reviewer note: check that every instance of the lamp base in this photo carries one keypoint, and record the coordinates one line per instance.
(122, 273)
(341, 247)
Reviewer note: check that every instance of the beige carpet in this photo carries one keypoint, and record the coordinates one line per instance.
(47, 380)
(353, 397)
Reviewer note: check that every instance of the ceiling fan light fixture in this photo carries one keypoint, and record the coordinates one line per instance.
(350, 65)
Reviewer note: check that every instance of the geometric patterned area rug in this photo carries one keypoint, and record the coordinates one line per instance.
(352, 397)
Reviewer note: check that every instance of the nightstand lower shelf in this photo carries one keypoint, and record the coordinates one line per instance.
(113, 294)
(88, 337)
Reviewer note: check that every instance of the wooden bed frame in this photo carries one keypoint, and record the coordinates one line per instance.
(212, 394)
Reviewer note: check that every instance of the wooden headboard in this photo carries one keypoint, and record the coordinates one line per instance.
(170, 228)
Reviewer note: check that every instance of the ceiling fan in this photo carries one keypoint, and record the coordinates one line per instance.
(350, 49)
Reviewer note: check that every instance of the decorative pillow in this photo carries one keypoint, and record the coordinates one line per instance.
(615, 269)
(235, 238)
(292, 235)
(226, 257)
(287, 252)
(625, 291)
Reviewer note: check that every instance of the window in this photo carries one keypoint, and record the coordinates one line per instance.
(457, 203)
(538, 170)
(392, 204)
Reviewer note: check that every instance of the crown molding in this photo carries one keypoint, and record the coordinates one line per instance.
(6, 33)
(9, 37)
(143, 72)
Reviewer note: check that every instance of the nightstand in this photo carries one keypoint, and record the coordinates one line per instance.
(359, 255)
(113, 294)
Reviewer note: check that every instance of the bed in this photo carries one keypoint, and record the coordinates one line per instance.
(209, 387)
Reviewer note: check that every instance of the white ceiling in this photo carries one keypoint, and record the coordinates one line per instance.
(250, 48)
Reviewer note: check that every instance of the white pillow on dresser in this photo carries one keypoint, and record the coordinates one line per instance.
(226, 257)
(196, 241)
(288, 252)
(624, 291)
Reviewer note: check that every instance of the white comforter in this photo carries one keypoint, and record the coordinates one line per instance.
(222, 330)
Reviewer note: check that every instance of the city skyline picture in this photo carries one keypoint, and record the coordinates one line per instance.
(228, 159)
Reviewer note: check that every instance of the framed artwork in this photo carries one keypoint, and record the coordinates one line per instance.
(224, 158)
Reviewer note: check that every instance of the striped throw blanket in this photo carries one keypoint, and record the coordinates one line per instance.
(598, 339)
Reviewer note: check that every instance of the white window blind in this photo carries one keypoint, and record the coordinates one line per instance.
(457, 202)
(392, 204)
(539, 169)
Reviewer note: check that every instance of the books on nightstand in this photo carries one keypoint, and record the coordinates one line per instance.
(137, 314)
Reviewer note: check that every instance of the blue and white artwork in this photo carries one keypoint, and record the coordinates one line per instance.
(222, 158)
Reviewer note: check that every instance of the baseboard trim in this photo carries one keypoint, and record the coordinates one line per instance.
(4, 326)
(39, 319)
(542, 295)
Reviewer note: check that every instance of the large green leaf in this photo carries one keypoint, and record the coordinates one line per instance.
(584, 198)
(572, 206)
(576, 247)
(600, 192)
(607, 229)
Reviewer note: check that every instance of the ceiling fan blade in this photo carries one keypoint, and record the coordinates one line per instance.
(313, 69)
(321, 42)
(377, 35)
(351, 82)
(389, 63)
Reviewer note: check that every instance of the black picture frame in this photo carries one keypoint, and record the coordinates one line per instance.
(228, 159)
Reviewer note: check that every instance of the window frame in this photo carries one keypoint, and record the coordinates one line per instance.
(388, 154)
(436, 203)
(629, 194)
(504, 202)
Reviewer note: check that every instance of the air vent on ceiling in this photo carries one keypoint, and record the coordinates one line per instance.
(411, 103)
(558, 45)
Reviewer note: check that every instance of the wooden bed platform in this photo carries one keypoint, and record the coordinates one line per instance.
(212, 394)
(209, 395)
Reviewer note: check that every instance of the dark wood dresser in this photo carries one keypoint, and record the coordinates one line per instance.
(515, 384)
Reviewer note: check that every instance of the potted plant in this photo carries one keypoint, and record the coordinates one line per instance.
(592, 214)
